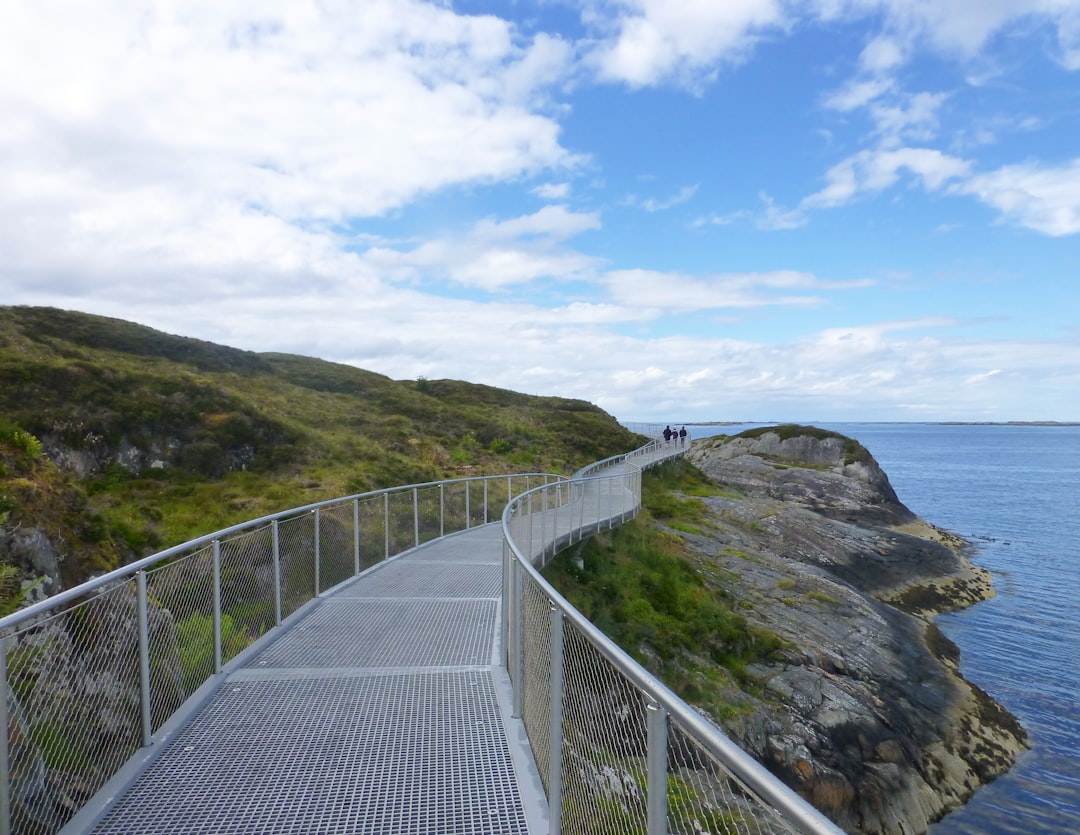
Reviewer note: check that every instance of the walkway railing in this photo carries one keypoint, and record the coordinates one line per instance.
(91, 675)
(618, 752)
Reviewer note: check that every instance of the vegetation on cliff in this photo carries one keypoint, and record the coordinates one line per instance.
(117, 440)
(773, 580)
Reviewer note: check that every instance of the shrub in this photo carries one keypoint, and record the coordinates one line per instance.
(20, 439)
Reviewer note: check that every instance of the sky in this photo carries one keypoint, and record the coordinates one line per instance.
(705, 210)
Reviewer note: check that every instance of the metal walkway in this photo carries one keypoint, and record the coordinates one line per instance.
(382, 709)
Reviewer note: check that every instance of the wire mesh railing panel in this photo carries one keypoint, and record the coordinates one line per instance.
(372, 515)
(296, 546)
(453, 501)
(429, 512)
(180, 610)
(704, 796)
(604, 748)
(402, 521)
(480, 493)
(536, 673)
(337, 561)
(247, 589)
(73, 706)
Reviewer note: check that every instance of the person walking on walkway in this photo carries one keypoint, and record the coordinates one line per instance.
(682, 436)
(667, 434)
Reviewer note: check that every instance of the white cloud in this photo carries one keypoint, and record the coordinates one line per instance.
(552, 191)
(959, 28)
(911, 117)
(677, 292)
(1043, 198)
(875, 170)
(677, 199)
(774, 217)
(656, 40)
(976, 379)
(856, 94)
(881, 55)
(495, 254)
(164, 127)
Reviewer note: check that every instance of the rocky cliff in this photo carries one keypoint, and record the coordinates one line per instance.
(864, 711)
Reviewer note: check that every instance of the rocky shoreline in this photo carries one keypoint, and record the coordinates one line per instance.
(864, 712)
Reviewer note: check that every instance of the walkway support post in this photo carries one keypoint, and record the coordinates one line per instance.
(5, 764)
(276, 537)
(318, 554)
(386, 524)
(217, 606)
(356, 535)
(555, 732)
(518, 654)
(416, 516)
(142, 604)
(656, 768)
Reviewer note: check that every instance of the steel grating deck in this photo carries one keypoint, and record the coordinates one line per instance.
(378, 712)
(409, 578)
(360, 632)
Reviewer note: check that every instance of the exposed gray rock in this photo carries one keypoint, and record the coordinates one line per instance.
(78, 671)
(37, 558)
(865, 713)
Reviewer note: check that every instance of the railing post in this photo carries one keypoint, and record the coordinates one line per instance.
(5, 762)
(518, 671)
(386, 524)
(555, 733)
(599, 490)
(318, 553)
(217, 606)
(142, 604)
(276, 536)
(543, 521)
(555, 519)
(442, 510)
(486, 501)
(581, 529)
(356, 535)
(504, 632)
(529, 553)
(468, 495)
(416, 515)
(656, 765)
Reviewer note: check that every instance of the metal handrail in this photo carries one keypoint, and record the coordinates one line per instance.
(666, 706)
(17, 618)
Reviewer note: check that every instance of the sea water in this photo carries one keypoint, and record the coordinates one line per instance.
(1014, 492)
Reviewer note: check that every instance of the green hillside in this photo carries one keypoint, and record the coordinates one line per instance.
(117, 440)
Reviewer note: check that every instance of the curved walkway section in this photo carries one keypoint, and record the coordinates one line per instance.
(343, 668)
(381, 710)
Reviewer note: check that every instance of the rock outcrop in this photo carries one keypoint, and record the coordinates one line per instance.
(864, 713)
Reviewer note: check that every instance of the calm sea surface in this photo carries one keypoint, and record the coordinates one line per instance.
(1014, 491)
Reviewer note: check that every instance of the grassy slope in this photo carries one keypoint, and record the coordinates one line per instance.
(639, 585)
(248, 433)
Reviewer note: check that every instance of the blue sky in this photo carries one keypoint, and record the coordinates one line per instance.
(824, 210)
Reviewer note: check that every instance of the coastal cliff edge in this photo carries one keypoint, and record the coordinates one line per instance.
(863, 711)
